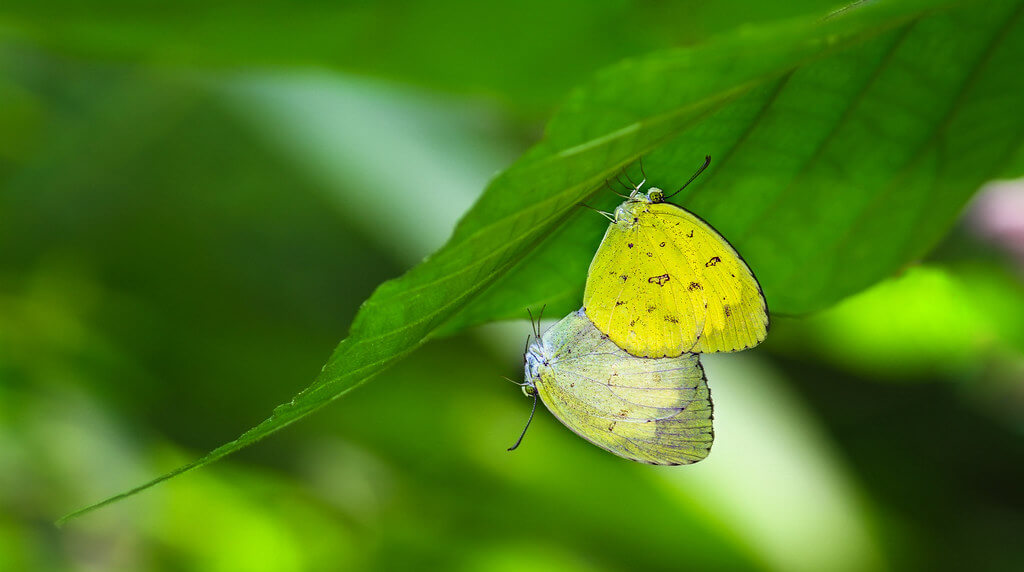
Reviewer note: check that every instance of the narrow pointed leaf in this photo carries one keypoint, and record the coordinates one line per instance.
(672, 108)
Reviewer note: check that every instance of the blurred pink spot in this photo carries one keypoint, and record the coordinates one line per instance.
(997, 215)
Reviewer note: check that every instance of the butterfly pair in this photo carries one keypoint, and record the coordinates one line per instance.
(624, 372)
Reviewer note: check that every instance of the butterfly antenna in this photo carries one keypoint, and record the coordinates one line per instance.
(707, 161)
(536, 323)
(528, 421)
(606, 215)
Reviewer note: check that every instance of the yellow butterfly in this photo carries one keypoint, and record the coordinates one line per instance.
(655, 411)
(663, 282)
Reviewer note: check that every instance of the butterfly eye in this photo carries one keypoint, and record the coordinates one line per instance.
(656, 195)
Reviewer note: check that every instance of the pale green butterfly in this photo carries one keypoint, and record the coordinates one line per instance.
(652, 410)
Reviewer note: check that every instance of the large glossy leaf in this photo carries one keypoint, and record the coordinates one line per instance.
(793, 186)
(833, 176)
(508, 48)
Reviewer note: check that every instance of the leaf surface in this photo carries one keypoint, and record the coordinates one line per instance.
(832, 176)
(843, 148)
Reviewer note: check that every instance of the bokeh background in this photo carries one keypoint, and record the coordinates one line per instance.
(195, 199)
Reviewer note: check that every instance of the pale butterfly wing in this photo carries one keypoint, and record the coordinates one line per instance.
(655, 411)
(663, 282)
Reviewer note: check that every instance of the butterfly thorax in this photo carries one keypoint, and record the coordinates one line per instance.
(631, 210)
(535, 360)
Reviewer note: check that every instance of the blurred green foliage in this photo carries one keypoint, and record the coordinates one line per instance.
(524, 54)
(187, 228)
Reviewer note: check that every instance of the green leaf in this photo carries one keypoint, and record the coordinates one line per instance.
(831, 177)
(792, 186)
(450, 44)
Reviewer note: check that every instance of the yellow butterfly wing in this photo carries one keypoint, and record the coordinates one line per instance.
(655, 411)
(663, 282)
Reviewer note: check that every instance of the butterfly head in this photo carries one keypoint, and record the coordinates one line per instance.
(654, 194)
